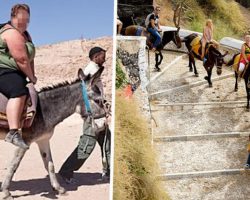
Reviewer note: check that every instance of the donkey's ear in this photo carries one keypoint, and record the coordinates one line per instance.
(80, 74)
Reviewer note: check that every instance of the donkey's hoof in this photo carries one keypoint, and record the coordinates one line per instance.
(210, 85)
(197, 75)
(61, 190)
(236, 89)
(7, 195)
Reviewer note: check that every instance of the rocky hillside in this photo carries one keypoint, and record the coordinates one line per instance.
(60, 62)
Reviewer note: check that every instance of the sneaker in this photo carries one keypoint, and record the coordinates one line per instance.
(15, 138)
(246, 166)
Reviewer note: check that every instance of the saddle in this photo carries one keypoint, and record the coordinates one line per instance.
(197, 46)
(141, 31)
(28, 113)
(236, 65)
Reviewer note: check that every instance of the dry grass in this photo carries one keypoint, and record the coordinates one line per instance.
(135, 166)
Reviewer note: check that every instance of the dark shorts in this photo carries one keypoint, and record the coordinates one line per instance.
(12, 83)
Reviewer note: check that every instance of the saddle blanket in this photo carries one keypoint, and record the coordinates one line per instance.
(236, 65)
(139, 31)
(196, 45)
(29, 112)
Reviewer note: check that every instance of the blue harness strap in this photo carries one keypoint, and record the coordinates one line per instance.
(85, 97)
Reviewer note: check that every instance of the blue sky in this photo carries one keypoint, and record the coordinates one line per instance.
(61, 20)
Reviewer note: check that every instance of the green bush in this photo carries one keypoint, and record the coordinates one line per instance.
(120, 79)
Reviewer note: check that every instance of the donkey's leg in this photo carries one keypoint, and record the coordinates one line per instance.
(248, 92)
(18, 155)
(45, 152)
(209, 74)
(192, 60)
(190, 63)
(236, 82)
(161, 57)
(195, 70)
(157, 62)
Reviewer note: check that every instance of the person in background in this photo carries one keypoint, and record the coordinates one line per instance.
(245, 55)
(153, 26)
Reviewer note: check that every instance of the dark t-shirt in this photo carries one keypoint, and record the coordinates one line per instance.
(154, 17)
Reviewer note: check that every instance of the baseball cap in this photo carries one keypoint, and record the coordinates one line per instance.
(95, 50)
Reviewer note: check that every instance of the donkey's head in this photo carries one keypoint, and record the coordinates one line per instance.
(94, 93)
(217, 58)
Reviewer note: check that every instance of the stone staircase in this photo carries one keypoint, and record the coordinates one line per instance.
(200, 133)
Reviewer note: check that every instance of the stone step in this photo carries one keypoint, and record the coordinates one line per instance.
(200, 121)
(164, 69)
(202, 155)
(162, 93)
(177, 73)
(199, 174)
(212, 104)
(208, 136)
(224, 187)
(222, 91)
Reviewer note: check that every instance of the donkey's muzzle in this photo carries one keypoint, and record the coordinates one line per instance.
(219, 71)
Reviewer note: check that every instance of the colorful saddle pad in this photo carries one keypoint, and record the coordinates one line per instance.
(236, 63)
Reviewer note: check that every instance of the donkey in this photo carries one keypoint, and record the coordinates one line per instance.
(245, 75)
(54, 105)
(167, 37)
(214, 57)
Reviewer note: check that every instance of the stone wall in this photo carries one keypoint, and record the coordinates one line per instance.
(131, 50)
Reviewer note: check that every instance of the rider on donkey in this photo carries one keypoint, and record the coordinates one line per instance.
(245, 55)
(16, 63)
(153, 26)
